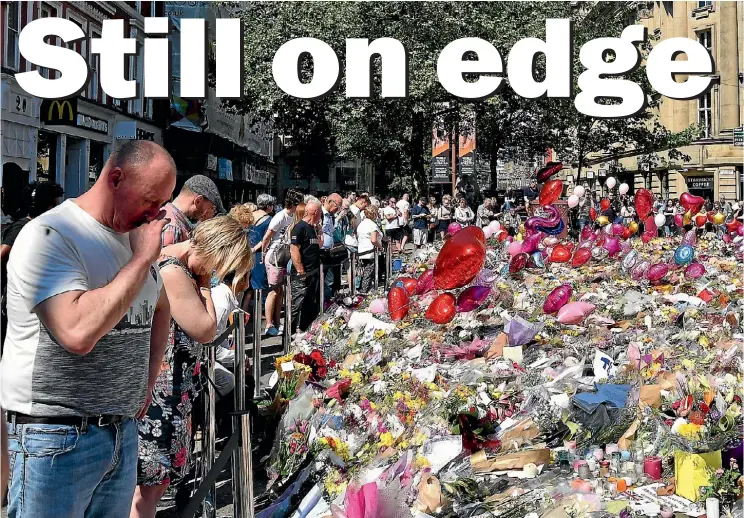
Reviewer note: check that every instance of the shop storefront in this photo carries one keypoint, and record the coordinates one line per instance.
(701, 185)
(20, 125)
(74, 142)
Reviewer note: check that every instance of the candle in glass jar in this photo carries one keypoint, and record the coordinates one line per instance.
(652, 467)
(604, 468)
(598, 453)
(610, 449)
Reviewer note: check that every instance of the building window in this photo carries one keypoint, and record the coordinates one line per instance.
(705, 38)
(705, 118)
(95, 61)
(704, 3)
(80, 45)
(135, 105)
(12, 28)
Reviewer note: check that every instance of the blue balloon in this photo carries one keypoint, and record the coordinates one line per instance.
(505, 270)
(537, 259)
(553, 231)
(684, 255)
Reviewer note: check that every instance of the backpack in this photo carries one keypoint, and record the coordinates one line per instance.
(279, 255)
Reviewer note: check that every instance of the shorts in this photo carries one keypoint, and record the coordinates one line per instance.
(420, 236)
(396, 234)
(443, 225)
(275, 276)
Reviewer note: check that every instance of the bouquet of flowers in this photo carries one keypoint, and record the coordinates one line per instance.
(292, 450)
(724, 484)
(315, 361)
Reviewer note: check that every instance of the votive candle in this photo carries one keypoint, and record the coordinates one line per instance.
(652, 467)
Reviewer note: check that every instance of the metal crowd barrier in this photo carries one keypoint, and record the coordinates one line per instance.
(352, 273)
(287, 314)
(238, 448)
(389, 263)
(257, 307)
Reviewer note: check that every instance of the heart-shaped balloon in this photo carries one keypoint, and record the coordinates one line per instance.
(550, 192)
(472, 232)
(639, 270)
(701, 220)
(657, 271)
(581, 257)
(604, 204)
(612, 245)
(650, 225)
(560, 254)
(442, 309)
(644, 201)
(617, 229)
(593, 213)
(586, 233)
(679, 220)
(626, 233)
(471, 298)
(548, 170)
(536, 260)
(648, 236)
(408, 283)
(575, 312)
(694, 271)
(733, 225)
(530, 243)
(398, 303)
(514, 248)
(691, 203)
(557, 298)
(518, 262)
(459, 261)
(425, 282)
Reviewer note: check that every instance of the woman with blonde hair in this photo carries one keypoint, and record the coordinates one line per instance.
(243, 214)
(219, 247)
(369, 238)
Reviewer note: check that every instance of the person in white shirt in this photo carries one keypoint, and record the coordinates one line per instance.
(357, 210)
(369, 237)
(392, 224)
(404, 207)
(464, 214)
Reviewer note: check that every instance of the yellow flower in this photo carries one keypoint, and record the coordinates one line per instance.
(690, 430)
(403, 445)
(283, 359)
(386, 439)
(421, 462)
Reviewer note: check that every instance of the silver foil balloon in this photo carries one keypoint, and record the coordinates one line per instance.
(630, 260)
(599, 253)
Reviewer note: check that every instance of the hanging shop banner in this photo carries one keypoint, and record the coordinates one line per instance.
(699, 182)
(61, 112)
(211, 162)
(224, 169)
(441, 163)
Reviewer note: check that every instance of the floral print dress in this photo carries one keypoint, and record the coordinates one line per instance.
(165, 433)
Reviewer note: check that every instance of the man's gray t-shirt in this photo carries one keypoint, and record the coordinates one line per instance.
(63, 250)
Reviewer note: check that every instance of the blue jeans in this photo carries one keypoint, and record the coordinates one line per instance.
(61, 471)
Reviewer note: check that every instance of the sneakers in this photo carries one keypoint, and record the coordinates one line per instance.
(272, 332)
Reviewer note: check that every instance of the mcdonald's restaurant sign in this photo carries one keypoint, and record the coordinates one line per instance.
(59, 112)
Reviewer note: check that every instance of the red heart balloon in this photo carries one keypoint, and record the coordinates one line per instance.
(626, 233)
(691, 202)
(442, 309)
(593, 213)
(550, 192)
(473, 232)
(518, 262)
(502, 236)
(581, 257)
(710, 216)
(700, 220)
(459, 261)
(398, 303)
(648, 236)
(644, 201)
(650, 225)
(733, 225)
(560, 254)
(548, 170)
(679, 220)
(604, 204)
(409, 283)
(425, 282)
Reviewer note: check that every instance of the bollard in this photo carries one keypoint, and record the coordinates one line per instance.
(322, 289)
(352, 270)
(257, 304)
(287, 315)
(208, 433)
(242, 479)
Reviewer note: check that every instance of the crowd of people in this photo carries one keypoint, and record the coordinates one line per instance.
(110, 299)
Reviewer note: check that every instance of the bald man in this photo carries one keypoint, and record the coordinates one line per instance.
(87, 328)
(305, 281)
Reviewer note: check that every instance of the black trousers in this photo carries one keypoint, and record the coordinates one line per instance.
(305, 300)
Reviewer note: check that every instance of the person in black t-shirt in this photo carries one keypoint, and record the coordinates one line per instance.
(530, 193)
(36, 199)
(305, 280)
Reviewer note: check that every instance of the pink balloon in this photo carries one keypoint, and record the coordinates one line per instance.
(650, 225)
(679, 220)
(378, 306)
(514, 248)
(495, 226)
(557, 299)
(639, 271)
(740, 230)
(617, 229)
(657, 271)
(487, 232)
(575, 312)
(586, 233)
(471, 298)
(518, 262)
(612, 245)
(486, 277)
(454, 228)
(530, 244)
(425, 282)
(690, 238)
(694, 271)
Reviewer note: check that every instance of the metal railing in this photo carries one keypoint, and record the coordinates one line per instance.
(257, 307)
(287, 314)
